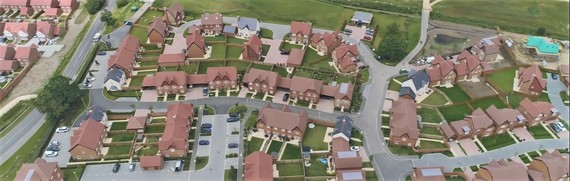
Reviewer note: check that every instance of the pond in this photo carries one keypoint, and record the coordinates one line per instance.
(446, 39)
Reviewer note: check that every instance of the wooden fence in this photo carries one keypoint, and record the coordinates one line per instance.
(4, 92)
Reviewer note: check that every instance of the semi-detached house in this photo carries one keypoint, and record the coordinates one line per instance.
(282, 122)
(87, 141)
(174, 141)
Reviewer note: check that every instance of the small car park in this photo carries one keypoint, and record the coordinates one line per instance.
(558, 127)
(116, 167)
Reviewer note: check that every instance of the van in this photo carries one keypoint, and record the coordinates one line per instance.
(179, 165)
(97, 37)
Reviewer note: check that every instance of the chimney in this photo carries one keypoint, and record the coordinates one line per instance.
(238, 18)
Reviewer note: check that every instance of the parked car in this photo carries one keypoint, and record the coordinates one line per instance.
(132, 167)
(56, 143)
(286, 97)
(233, 145)
(90, 79)
(234, 114)
(53, 148)
(378, 57)
(204, 142)
(206, 125)
(233, 119)
(62, 129)
(50, 153)
(404, 71)
(205, 91)
(554, 76)
(285, 52)
(348, 30)
(369, 33)
(558, 127)
(101, 53)
(354, 148)
(367, 38)
(207, 130)
(116, 167)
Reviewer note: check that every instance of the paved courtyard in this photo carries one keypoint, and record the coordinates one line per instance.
(178, 44)
(149, 96)
(104, 172)
(274, 54)
(469, 146)
(99, 71)
(195, 93)
(278, 97)
(326, 105)
(358, 33)
(63, 156)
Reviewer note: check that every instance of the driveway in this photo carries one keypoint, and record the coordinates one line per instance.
(358, 33)
(274, 54)
(278, 97)
(149, 96)
(178, 44)
(217, 149)
(326, 105)
(455, 149)
(104, 172)
(469, 146)
(523, 134)
(63, 154)
(553, 88)
(99, 71)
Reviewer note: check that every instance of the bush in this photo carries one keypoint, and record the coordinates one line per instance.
(121, 3)
(94, 6)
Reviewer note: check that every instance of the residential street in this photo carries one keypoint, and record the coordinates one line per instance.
(554, 87)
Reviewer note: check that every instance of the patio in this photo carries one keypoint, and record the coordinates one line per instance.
(274, 54)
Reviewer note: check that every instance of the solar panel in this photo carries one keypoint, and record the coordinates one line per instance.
(347, 154)
(431, 172)
(352, 176)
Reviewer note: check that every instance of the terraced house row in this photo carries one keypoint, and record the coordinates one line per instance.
(28, 7)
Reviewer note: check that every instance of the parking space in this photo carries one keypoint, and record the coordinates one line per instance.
(326, 105)
(278, 97)
(195, 93)
(204, 150)
(358, 33)
(104, 172)
(469, 146)
(274, 54)
(98, 70)
(63, 154)
(523, 134)
(149, 96)
(455, 149)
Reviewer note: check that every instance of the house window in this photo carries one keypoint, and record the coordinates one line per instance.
(396, 142)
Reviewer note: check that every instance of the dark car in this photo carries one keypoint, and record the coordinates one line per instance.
(206, 125)
(554, 76)
(233, 145)
(101, 53)
(116, 167)
(205, 91)
(204, 142)
(234, 115)
(348, 30)
(285, 52)
(53, 148)
(378, 57)
(286, 97)
(233, 119)
(207, 130)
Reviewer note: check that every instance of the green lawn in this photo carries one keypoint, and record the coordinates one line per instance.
(148, 151)
(429, 115)
(148, 16)
(497, 141)
(503, 79)
(190, 68)
(310, 55)
(434, 99)
(288, 46)
(264, 49)
(235, 41)
(303, 73)
(455, 93)
(344, 79)
(430, 130)
(254, 145)
(544, 97)
(215, 38)
(233, 51)
(154, 129)
(515, 99)
(73, 174)
(209, 110)
(218, 51)
(401, 79)
(121, 137)
(401, 150)
(240, 66)
(168, 69)
(291, 152)
(120, 15)
(148, 63)
(261, 67)
(314, 137)
(139, 32)
(252, 119)
(431, 145)
(136, 81)
(275, 146)
(204, 65)
(455, 112)
(538, 132)
(565, 97)
(119, 126)
(266, 33)
(290, 169)
(394, 86)
(201, 162)
(487, 102)
(317, 168)
(119, 150)
(13, 114)
(281, 71)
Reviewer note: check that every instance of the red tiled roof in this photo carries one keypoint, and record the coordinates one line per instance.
(212, 19)
(254, 43)
(463, 55)
(531, 73)
(344, 50)
(176, 130)
(165, 78)
(7, 65)
(221, 73)
(15, 27)
(197, 79)
(7, 52)
(459, 125)
(556, 163)
(26, 11)
(339, 144)
(327, 37)
(151, 161)
(175, 8)
(506, 170)
(303, 84)
(137, 122)
(16, 3)
(565, 69)
(444, 69)
(42, 170)
(283, 118)
(530, 108)
(40, 2)
(437, 60)
(301, 27)
(87, 135)
(447, 131)
(25, 52)
(259, 76)
(45, 28)
(171, 58)
(284, 83)
(122, 58)
(52, 12)
(500, 116)
(296, 57)
(258, 166)
(130, 43)
(159, 25)
(195, 39)
(65, 3)
(404, 120)
(479, 119)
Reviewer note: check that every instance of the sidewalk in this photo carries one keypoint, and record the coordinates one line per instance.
(15, 101)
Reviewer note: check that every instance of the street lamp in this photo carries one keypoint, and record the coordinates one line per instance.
(75, 176)
(83, 102)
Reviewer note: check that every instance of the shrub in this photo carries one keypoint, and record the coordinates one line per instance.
(121, 3)
(94, 6)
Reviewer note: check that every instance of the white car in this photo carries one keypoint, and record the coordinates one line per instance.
(90, 79)
(56, 143)
(62, 129)
(354, 148)
(50, 153)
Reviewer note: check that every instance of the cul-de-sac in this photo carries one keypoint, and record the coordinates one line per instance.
(292, 90)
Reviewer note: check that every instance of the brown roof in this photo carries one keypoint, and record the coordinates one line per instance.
(45, 28)
(341, 91)
(327, 37)
(176, 130)
(283, 118)
(545, 107)
(212, 19)
(65, 3)
(258, 166)
(444, 69)
(531, 73)
(171, 58)
(349, 175)
(195, 39)
(25, 52)
(221, 73)
(53, 12)
(8, 65)
(296, 57)
(130, 43)
(42, 170)
(26, 11)
(346, 50)
(197, 79)
(7, 52)
(301, 27)
(40, 2)
(15, 27)
(565, 69)
(159, 25)
(175, 8)
(193, 29)
(254, 43)
(463, 55)
(506, 170)
(437, 60)
(303, 84)
(179, 111)
(531, 108)
(136, 122)
(87, 135)
(260, 76)
(122, 58)
(556, 163)
(404, 120)
(347, 160)
(346, 61)
(151, 161)
(447, 131)
(501, 116)
(339, 144)
(428, 174)
(459, 126)
(16, 3)
(479, 119)
(165, 78)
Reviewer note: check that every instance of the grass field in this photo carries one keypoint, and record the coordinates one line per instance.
(218, 51)
(314, 137)
(429, 115)
(201, 162)
(434, 99)
(148, 152)
(291, 152)
(136, 81)
(524, 18)
(497, 141)
(401, 150)
(147, 17)
(515, 99)
(73, 174)
(487, 102)
(260, 66)
(538, 132)
(233, 51)
(455, 93)
(252, 118)
(290, 169)
(303, 73)
(503, 79)
(455, 112)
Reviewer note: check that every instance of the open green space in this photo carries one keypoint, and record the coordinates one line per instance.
(539, 132)
(344, 79)
(314, 137)
(455, 93)
(290, 169)
(265, 33)
(281, 71)
(252, 119)
(120, 137)
(317, 168)
(254, 145)
(148, 63)
(148, 16)
(119, 150)
(209, 110)
(191, 68)
(265, 49)
(218, 51)
(236, 41)
(120, 14)
(401, 150)
(119, 126)
(455, 112)
(203, 68)
(431, 145)
(140, 32)
(503, 79)
(514, 99)
(233, 51)
(430, 130)
(487, 102)
(201, 162)
(275, 146)
(261, 66)
(240, 66)
(497, 141)
(215, 38)
(434, 99)
(544, 97)
(303, 73)
(291, 152)
(154, 129)
(73, 173)
(168, 69)
(310, 56)
(230, 174)
(82, 16)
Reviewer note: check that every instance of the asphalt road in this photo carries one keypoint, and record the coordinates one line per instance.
(554, 87)
(214, 169)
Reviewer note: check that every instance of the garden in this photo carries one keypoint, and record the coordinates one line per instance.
(455, 94)
(497, 141)
(314, 137)
(455, 112)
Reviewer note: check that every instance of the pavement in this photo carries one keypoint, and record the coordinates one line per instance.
(99, 71)
(16, 138)
(554, 87)
(63, 156)
(104, 172)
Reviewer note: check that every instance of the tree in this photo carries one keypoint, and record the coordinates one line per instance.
(541, 31)
(158, 3)
(107, 17)
(392, 48)
(94, 6)
(393, 28)
(57, 96)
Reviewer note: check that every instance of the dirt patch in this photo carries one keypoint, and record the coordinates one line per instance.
(477, 89)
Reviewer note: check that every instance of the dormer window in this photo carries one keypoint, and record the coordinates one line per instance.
(520, 118)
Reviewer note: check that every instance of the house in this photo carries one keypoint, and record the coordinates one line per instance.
(27, 55)
(115, 79)
(136, 124)
(428, 174)
(346, 162)
(167, 82)
(416, 85)
(68, 6)
(461, 129)
(258, 166)
(300, 32)
(468, 67)
(537, 112)
(212, 24)
(247, 27)
(87, 141)
(124, 60)
(222, 78)
(52, 13)
(343, 128)
(252, 49)
(174, 15)
(230, 31)
(176, 59)
(530, 80)
(174, 141)
(481, 124)
(542, 48)
(40, 170)
(441, 72)
(42, 5)
(157, 31)
(282, 122)
(502, 170)
(447, 132)
(488, 49)
(45, 30)
(26, 12)
(505, 119)
(262, 81)
(345, 57)
(98, 114)
(404, 123)
(549, 166)
(154, 162)
(361, 18)
(326, 42)
(19, 30)
(14, 5)
(305, 89)
(342, 94)
(8, 66)
(565, 74)
(7, 52)
(295, 58)
(195, 46)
